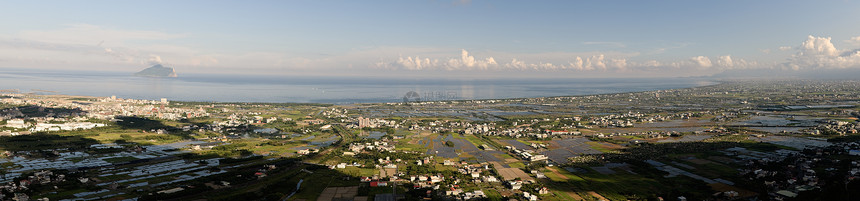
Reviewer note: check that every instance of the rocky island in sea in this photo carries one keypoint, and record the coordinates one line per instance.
(157, 70)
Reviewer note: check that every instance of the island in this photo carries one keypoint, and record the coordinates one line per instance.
(157, 70)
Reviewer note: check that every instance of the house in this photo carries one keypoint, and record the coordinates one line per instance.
(490, 179)
(529, 196)
(543, 190)
(515, 185)
(436, 179)
(537, 157)
(16, 123)
(454, 191)
(479, 193)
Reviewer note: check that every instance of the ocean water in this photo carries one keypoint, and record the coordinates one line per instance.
(337, 90)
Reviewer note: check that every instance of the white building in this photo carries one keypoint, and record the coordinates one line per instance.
(16, 123)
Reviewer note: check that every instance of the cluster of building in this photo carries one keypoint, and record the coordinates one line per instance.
(382, 145)
(43, 124)
(72, 112)
(804, 169)
(837, 127)
(362, 122)
(648, 134)
(19, 188)
(528, 155)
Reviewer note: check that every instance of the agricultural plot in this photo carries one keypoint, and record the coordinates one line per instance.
(569, 148)
(687, 138)
(436, 146)
(793, 142)
(338, 193)
(511, 173)
(517, 144)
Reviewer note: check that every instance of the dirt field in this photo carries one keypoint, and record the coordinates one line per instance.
(723, 188)
(332, 193)
(511, 173)
(599, 197)
(387, 172)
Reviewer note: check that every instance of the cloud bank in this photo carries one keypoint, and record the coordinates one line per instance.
(82, 45)
(813, 53)
(821, 53)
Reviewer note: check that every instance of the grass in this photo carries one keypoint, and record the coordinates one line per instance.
(473, 139)
(517, 165)
(314, 184)
(493, 195)
(358, 172)
(711, 170)
(620, 186)
(558, 195)
(406, 146)
(524, 142)
(597, 146)
(560, 187)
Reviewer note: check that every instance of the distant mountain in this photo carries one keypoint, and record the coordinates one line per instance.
(157, 70)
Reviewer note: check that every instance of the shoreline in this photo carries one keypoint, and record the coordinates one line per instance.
(36, 91)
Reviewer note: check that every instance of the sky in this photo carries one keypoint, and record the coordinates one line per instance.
(433, 38)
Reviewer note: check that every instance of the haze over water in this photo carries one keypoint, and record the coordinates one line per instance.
(339, 90)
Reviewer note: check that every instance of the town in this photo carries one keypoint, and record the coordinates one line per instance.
(737, 140)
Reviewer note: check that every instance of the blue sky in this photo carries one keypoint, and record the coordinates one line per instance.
(432, 37)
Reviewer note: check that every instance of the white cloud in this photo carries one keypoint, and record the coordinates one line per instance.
(464, 62)
(651, 63)
(80, 45)
(818, 46)
(820, 53)
(155, 59)
(597, 62)
(619, 64)
(725, 61)
(702, 61)
(854, 40)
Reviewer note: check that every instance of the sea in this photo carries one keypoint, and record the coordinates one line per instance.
(304, 89)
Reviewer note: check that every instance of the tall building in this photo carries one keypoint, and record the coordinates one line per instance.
(363, 122)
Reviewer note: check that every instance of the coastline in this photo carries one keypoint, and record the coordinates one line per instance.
(329, 90)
